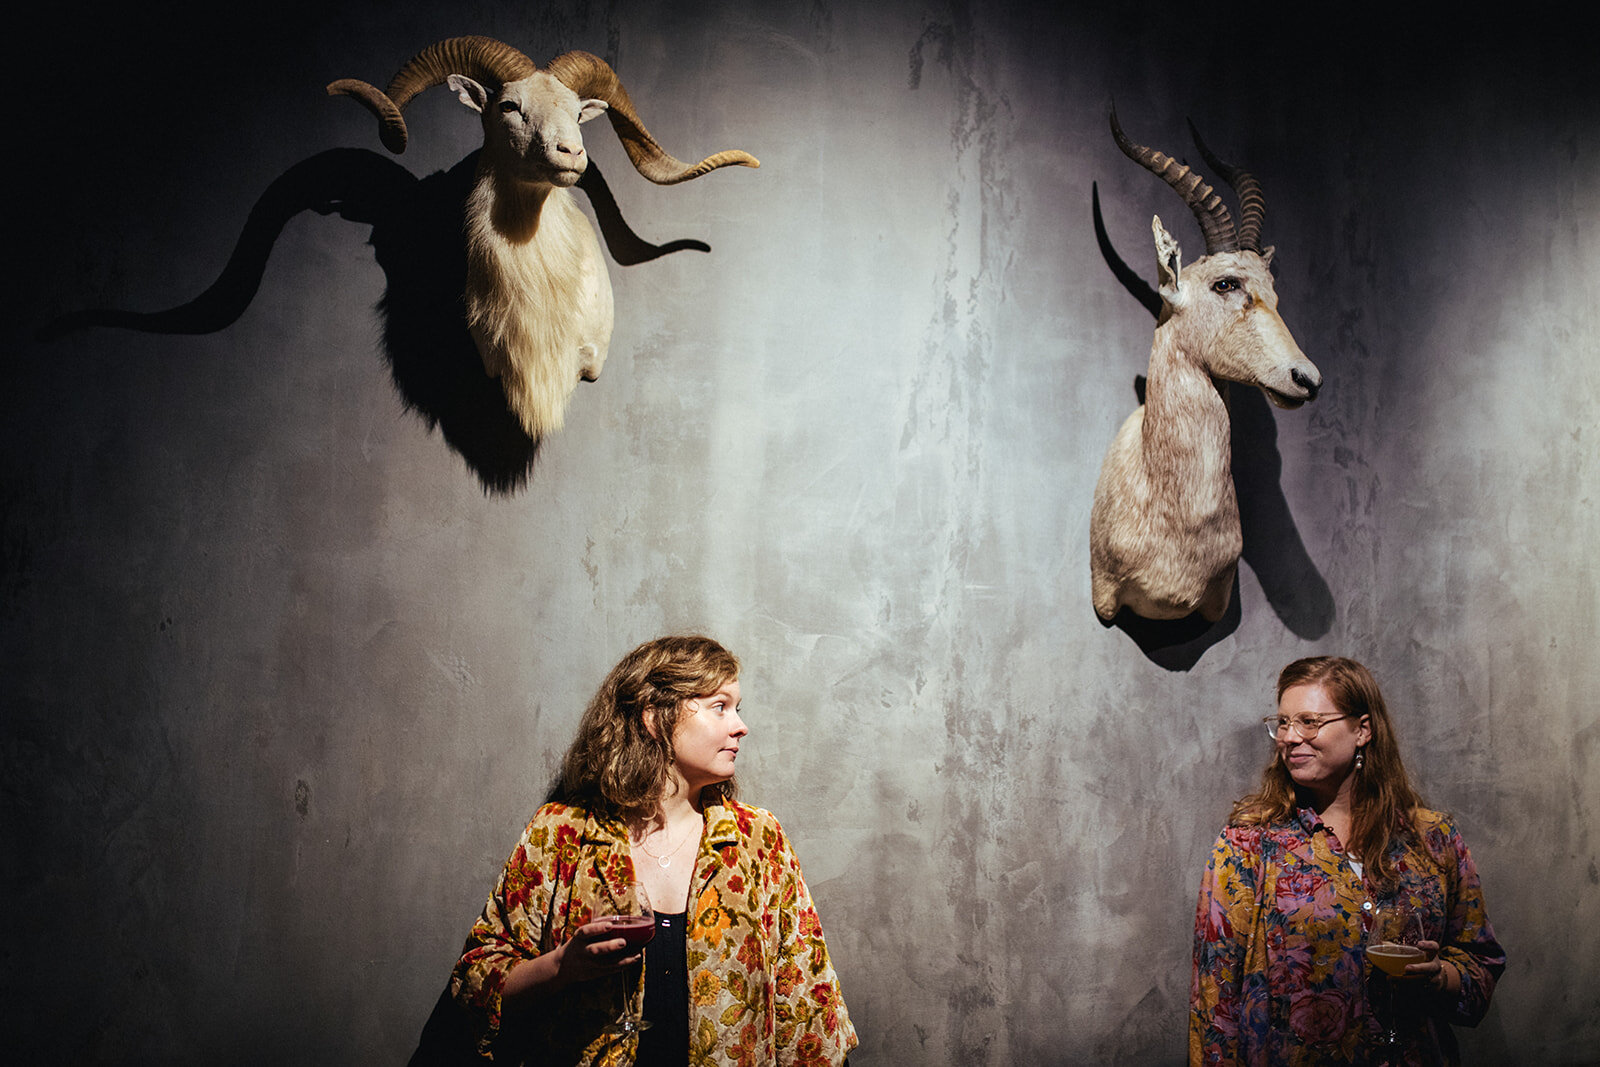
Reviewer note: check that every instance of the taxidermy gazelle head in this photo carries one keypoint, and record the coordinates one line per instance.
(1164, 532)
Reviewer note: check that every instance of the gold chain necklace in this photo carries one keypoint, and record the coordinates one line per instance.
(664, 860)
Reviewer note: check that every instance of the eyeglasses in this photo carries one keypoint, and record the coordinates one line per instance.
(1307, 726)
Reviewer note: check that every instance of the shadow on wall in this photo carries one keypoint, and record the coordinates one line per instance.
(417, 240)
(1273, 548)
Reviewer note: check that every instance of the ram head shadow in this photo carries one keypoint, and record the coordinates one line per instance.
(1269, 540)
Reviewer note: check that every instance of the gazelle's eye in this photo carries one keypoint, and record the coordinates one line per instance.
(508, 106)
(1224, 285)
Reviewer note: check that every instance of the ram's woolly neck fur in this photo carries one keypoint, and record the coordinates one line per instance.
(529, 248)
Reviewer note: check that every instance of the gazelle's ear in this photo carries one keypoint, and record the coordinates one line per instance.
(1266, 254)
(1168, 258)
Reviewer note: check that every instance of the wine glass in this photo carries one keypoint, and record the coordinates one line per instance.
(634, 921)
(1391, 943)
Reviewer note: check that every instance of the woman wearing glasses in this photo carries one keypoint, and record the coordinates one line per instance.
(1335, 833)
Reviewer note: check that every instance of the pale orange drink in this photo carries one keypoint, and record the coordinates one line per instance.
(1392, 958)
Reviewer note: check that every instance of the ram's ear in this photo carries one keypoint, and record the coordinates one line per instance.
(469, 92)
(591, 109)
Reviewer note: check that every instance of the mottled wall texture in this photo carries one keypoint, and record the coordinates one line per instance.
(285, 671)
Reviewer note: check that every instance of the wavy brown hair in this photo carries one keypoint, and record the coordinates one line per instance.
(1382, 798)
(615, 763)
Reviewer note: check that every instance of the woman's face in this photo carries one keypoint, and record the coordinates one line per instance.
(706, 742)
(1323, 762)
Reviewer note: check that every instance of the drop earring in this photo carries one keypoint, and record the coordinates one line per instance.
(1360, 758)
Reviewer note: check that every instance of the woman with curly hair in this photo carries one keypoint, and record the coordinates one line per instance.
(737, 972)
(1335, 832)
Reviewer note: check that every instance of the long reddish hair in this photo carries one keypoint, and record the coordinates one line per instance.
(1382, 798)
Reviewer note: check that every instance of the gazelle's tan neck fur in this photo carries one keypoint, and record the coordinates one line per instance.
(1184, 433)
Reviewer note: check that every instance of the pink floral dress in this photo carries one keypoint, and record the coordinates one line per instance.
(761, 987)
(1279, 973)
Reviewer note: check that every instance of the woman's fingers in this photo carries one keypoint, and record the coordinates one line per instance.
(1431, 966)
(603, 951)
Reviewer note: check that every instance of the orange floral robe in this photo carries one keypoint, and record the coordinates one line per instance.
(761, 987)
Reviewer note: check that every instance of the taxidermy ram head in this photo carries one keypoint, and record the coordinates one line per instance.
(537, 294)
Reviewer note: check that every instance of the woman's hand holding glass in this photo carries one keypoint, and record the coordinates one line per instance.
(1398, 945)
(1391, 947)
(634, 922)
(1393, 942)
(596, 950)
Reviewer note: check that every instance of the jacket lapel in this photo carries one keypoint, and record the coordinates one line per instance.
(721, 832)
(605, 842)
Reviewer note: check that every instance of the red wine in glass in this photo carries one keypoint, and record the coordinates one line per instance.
(634, 929)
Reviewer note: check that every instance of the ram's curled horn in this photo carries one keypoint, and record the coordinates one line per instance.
(1252, 205)
(592, 78)
(483, 59)
(1208, 208)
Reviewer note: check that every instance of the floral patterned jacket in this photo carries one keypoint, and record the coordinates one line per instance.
(1279, 973)
(761, 987)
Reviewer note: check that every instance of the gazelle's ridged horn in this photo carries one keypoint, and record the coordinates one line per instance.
(1209, 210)
(1252, 205)
(483, 59)
(592, 77)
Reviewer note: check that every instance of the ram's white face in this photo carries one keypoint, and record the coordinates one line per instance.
(530, 127)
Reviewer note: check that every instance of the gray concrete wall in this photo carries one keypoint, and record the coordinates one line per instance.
(282, 680)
